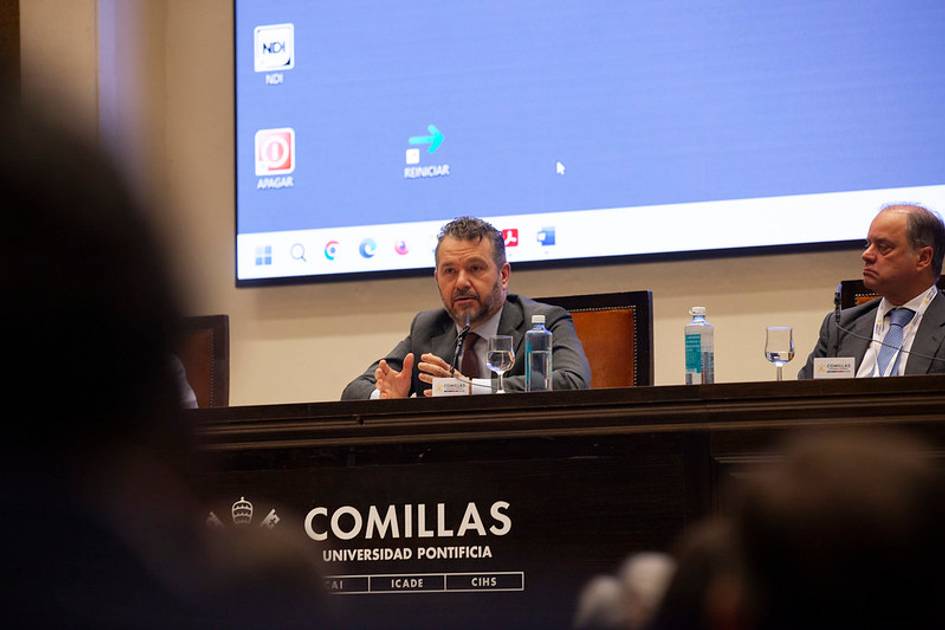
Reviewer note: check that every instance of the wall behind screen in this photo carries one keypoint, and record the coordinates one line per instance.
(303, 343)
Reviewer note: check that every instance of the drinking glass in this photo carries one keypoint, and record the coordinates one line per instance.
(501, 357)
(779, 346)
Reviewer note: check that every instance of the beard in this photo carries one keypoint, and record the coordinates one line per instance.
(481, 309)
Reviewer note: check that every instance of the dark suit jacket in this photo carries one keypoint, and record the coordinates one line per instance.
(860, 319)
(434, 331)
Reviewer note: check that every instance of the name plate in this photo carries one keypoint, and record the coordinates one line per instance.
(456, 387)
(449, 387)
(834, 367)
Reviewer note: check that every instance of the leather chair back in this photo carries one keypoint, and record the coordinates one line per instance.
(204, 349)
(616, 330)
(854, 292)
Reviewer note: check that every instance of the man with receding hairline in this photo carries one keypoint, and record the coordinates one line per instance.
(472, 277)
(901, 333)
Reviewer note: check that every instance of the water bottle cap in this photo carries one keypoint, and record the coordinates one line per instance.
(697, 310)
(538, 319)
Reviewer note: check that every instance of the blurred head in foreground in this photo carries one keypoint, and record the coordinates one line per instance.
(601, 605)
(627, 600)
(90, 306)
(645, 577)
(108, 530)
(850, 530)
(846, 532)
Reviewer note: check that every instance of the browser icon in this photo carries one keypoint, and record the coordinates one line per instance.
(331, 250)
(367, 248)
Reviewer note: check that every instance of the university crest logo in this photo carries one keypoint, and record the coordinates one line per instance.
(242, 515)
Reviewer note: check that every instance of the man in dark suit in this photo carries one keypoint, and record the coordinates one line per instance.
(903, 332)
(472, 276)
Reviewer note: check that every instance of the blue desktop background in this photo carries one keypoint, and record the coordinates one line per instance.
(644, 102)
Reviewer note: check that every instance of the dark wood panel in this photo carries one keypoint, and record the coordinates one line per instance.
(588, 478)
(10, 45)
(723, 407)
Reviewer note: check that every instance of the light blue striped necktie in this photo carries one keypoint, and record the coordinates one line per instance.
(898, 318)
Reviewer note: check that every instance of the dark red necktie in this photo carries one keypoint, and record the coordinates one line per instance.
(470, 365)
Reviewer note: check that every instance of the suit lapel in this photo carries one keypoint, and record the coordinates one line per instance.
(857, 346)
(443, 343)
(513, 314)
(928, 338)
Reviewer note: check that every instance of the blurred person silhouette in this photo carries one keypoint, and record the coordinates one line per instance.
(644, 578)
(628, 600)
(103, 529)
(846, 532)
(601, 605)
(698, 595)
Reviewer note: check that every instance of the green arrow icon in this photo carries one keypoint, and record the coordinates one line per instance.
(435, 139)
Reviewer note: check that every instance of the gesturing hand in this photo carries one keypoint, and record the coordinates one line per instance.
(431, 366)
(391, 383)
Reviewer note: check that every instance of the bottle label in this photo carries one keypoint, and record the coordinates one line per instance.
(693, 353)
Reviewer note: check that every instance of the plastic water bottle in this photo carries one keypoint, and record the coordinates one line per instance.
(700, 348)
(538, 356)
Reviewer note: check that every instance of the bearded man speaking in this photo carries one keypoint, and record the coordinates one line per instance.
(472, 276)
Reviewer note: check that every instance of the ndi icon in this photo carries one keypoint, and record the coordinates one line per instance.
(274, 47)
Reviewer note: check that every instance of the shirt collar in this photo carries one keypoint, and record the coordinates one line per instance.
(918, 304)
(488, 328)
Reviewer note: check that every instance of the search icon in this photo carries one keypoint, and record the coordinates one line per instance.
(298, 252)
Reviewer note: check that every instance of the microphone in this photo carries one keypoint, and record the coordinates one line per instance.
(836, 349)
(882, 343)
(458, 350)
(836, 315)
(460, 340)
(836, 303)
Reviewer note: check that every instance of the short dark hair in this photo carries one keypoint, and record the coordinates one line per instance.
(924, 228)
(473, 229)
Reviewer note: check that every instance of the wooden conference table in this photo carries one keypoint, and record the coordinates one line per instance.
(494, 511)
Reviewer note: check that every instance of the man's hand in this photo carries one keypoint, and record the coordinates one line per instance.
(391, 383)
(431, 366)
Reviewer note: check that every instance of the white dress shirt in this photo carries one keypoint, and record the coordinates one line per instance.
(919, 304)
(486, 329)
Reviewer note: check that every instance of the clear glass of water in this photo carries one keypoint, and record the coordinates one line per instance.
(779, 346)
(501, 357)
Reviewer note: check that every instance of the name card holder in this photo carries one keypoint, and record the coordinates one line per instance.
(834, 367)
(448, 386)
(456, 387)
